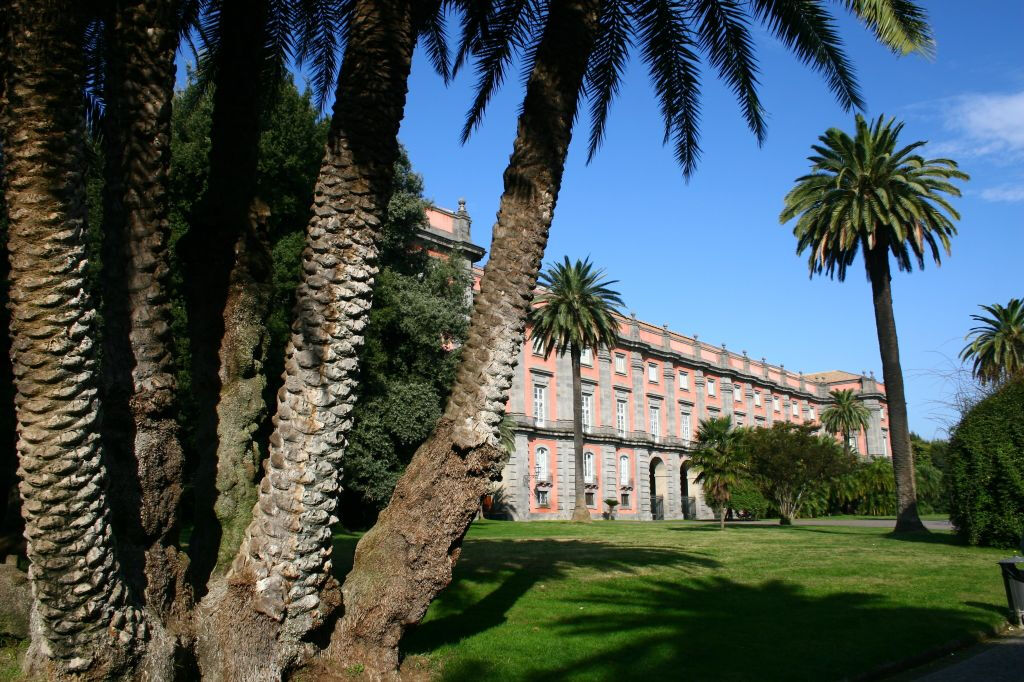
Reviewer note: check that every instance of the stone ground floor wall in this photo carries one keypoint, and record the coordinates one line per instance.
(515, 496)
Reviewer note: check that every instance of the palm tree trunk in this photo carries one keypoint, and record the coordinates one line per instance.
(580, 511)
(226, 408)
(141, 437)
(241, 409)
(84, 622)
(907, 518)
(722, 510)
(407, 557)
(279, 587)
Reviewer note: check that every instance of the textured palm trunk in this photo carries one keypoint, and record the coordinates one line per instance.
(141, 436)
(84, 624)
(580, 511)
(407, 557)
(907, 518)
(227, 411)
(256, 621)
(241, 409)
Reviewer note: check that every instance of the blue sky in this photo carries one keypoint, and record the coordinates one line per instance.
(709, 256)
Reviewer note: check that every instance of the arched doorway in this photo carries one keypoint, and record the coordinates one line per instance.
(658, 487)
(689, 503)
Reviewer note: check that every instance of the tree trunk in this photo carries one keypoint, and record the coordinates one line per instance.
(907, 518)
(407, 558)
(279, 588)
(141, 438)
(224, 408)
(242, 409)
(580, 511)
(84, 624)
(723, 510)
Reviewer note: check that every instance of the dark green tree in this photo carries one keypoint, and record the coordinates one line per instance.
(864, 193)
(576, 311)
(790, 463)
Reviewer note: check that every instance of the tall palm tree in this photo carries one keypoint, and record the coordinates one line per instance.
(140, 428)
(846, 415)
(997, 346)
(572, 48)
(282, 571)
(86, 623)
(718, 457)
(866, 194)
(575, 311)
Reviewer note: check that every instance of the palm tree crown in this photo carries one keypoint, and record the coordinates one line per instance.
(846, 415)
(997, 345)
(671, 36)
(719, 460)
(863, 192)
(577, 309)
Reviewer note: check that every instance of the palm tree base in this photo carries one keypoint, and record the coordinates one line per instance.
(913, 525)
(581, 514)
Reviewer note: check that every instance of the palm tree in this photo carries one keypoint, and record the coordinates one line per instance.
(86, 624)
(575, 311)
(283, 565)
(141, 439)
(572, 47)
(846, 415)
(997, 346)
(866, 194)
(719, 458)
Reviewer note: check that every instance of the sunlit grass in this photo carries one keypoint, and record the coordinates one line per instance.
(624, 600)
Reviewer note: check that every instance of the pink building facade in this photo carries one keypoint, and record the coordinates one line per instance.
(643, 401)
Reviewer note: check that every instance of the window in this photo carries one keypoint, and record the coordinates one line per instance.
(624, 500)
(620, 416)
(684, 381)
(737, 392)
(853, 442)
(590, 497)
(885, 442)
(620, 363)
(623, 470)
(775, 403)
(588, 467)
(588, 411)
(655, 422)
(540, 404)
(587, 357)
(711, 387)
(684, 426)
(757, 398)
(796, 409)
(810, 412)
(542, 498)
(738, 419)
(652, 372)
(542, 461)
(538, 345)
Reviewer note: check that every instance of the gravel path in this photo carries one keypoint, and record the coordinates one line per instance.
(864, 523)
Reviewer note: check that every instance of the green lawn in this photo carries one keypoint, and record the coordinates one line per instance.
(622, 600)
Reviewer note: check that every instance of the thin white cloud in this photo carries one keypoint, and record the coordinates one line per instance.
(984, 125)
(1009, 193)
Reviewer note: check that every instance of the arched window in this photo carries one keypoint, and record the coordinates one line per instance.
(543, 465)
(588, 467)
(623, 470)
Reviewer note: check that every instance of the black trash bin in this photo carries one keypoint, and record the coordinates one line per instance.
(1013, 581)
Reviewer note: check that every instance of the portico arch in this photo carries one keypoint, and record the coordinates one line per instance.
(658, 487)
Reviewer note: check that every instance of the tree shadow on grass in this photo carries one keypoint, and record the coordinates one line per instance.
(517, 566)
(719, 629)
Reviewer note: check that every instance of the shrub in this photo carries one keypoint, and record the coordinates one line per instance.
(985, 470)
(746, 497)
